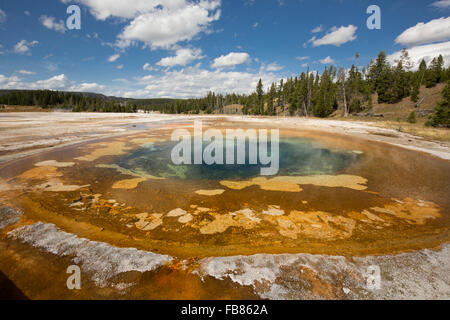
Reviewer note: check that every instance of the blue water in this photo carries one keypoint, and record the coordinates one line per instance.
(298, 156)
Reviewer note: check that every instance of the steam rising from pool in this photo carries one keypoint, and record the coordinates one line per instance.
(298, 156)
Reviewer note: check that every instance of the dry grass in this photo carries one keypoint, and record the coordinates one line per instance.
(396, 115)
(401, 110)
(417, 129)
(23, 109)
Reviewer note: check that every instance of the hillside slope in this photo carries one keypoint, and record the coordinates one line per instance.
(428, 99)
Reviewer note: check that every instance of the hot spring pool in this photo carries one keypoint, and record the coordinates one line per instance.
(331, 195)
(138, 224)
(298, 156)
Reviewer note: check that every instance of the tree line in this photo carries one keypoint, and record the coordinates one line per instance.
(309, 94)
(76, 102)
(321, 95)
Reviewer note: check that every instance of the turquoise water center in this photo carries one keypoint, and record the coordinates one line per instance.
(297, 156)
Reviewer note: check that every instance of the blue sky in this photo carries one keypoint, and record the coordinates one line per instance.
(183, 48)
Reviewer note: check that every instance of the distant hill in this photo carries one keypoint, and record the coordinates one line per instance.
(152, 102)
(97, 96)
(85, 94)
(428, 100)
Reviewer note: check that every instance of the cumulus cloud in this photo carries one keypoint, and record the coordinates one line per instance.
(442, 4)
(148, 67)
(88, 87)
(58, 82)
(11, 82)
(156, 23)
(231, 60)
(166, 27)
(327, 60)
(52, 24)
(302, 58)
(113, 58)
(422, 33)
(317, 29)
(104, 9)
(427, 52)
(272, 67)
(196, 82)
(336, 36)
(24, 46)
(185, 83)
(182, 58)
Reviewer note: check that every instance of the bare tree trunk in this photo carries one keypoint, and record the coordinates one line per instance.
(345, 100)
(305, 109)
(308, 106)
(341, 77)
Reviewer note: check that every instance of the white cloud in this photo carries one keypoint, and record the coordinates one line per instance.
(104, 9)
(442, 4)
(230, 60)
(11, 82)
(114, 57)
(421, 33)
(88, 87)
(148, 67)
(272, 67)
(120, 66)
(317, 29)
(185, 83)
(2, 16)
(23, 46)
(26, 72)
(255, 25)
(427, 52)
(336, 36)
(165, 27)
(156, 23)
(302, 58)
(327, 60)
(196, 82)
(27, 13)
(182, 58)
(58, 82)
(52, 24)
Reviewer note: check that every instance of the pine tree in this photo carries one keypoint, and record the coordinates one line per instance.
(270, 97)
(441, 117)
(434, 72)
(438, 68)
(260, 101)
(412, 117)
(400, 87)
(380, 77)
(415, 92)
(422, 71)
